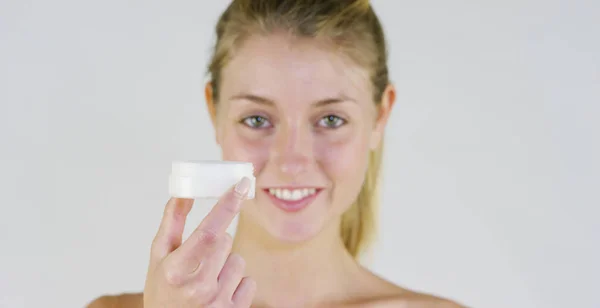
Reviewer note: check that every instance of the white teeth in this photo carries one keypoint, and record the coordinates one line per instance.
(293, 194)
(287, 195)
(297, 194)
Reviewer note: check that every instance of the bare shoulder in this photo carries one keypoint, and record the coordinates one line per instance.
(416, 300)
(133, 300)
(388, 295)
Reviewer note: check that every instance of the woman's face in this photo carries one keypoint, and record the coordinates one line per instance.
(305, 118)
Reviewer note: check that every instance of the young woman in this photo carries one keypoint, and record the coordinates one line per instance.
(299, 88)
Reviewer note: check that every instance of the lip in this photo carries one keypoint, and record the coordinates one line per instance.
(292, 206)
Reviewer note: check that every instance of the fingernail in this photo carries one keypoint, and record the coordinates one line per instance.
(243, 186)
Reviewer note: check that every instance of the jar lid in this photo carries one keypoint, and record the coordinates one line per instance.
(208, 179)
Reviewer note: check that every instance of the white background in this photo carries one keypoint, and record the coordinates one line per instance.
(491, 173)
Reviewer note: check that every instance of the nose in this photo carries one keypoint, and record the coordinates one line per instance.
(292, 151)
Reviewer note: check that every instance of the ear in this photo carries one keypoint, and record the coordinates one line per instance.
(211, 107)
(384, 109)
(210, 103)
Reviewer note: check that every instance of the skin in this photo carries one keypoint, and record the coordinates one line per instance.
(305, 118)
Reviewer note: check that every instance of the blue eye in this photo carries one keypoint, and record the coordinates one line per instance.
(331, 121)
(256, 122)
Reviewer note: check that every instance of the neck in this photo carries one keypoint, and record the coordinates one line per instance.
(295, 275)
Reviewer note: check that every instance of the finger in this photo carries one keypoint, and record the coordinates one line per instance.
(231, 275)
(244, 294)
(214, 260)
(212, 228)
(170, 231)
(222, 214)
(201, 261)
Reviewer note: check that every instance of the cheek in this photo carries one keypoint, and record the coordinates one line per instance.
(344, 159)
(237, 147)
(345, 163)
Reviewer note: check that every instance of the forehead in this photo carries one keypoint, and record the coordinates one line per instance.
(284, 68)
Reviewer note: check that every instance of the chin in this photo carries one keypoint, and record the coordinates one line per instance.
(291, 221)
(294, 231)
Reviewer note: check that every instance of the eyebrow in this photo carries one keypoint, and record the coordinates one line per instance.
(265, 101)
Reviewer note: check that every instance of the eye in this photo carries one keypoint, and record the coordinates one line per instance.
(256, 122)
(331, 121)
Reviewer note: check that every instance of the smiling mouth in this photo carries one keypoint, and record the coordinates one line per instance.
(295, 194)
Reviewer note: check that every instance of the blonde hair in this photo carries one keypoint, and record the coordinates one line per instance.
(354, 30)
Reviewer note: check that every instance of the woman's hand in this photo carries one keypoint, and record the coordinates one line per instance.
(201, 272)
